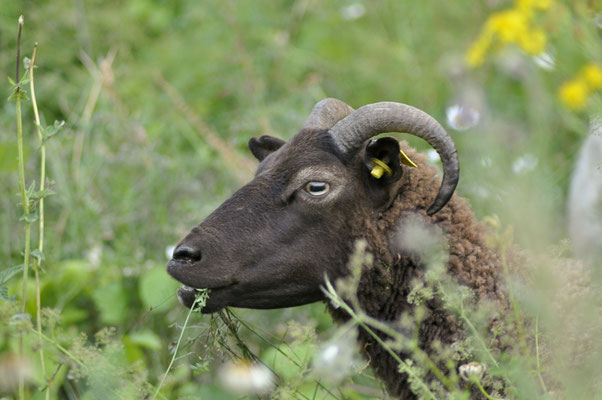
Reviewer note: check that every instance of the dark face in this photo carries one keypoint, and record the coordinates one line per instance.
(273, 242)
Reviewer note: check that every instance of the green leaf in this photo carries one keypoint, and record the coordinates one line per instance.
(42, 194)
(133, 352)
(18, 94)
(4, 293)
(146, 338)
(32, 217)
(38, 254)
(72, 274)
(157, 289)
(8, 273)
(112, 303)
(31, 190)
(50, 131)
(72, 315)
(24, 80)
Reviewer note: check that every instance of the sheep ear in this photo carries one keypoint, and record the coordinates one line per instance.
(382, 164)
(265, 145)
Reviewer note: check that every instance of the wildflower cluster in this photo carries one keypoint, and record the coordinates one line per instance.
(575, 92)
(514, 25)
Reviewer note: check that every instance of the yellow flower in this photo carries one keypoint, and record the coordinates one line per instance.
(592, 74)
(509, 25)
(574, 94)
(476, 53)
(513, 25)
(533, 42)
(542, 4)
(531, 4)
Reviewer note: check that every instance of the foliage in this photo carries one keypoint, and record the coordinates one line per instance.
(145, 86)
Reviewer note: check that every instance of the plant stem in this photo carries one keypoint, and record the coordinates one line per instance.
(472, 328)
(61, 349)
(404, 367)
(255, 331)
(477, 335)
(24, 198)
(174, 354)
(200, 300)
(387, 330)
(482, 389)
(19, 49)
(38, 263)
(537, 356)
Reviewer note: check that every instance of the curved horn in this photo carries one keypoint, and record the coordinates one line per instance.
(350, 133)
(326, 113)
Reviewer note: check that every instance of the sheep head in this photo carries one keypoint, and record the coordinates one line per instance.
(272, 243)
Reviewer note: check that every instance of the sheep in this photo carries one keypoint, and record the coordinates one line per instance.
(275, 241)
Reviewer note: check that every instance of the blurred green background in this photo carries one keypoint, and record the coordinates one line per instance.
(145, 87)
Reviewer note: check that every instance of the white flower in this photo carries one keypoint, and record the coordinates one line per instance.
(472, 370)
(169, 252)
(244, 377)
(353, 11)
(525, 163)
(545, 61)
(462, 118)
(94, 255)
(432, 156)
(337, 359)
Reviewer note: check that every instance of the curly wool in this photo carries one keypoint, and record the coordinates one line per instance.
(384, 288)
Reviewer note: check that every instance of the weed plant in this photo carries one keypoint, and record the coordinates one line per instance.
(159, 100)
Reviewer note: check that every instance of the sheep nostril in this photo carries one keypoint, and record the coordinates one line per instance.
(184, 253)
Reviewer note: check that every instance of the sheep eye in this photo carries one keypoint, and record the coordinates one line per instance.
(317, 188)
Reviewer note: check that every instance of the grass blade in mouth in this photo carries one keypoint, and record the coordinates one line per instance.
(199, 302)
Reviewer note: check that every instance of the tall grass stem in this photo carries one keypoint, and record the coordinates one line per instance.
(38, 262)
(24, 198)
(201, 299)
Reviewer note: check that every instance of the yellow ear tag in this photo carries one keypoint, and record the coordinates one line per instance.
(380, 168)
(406, 160)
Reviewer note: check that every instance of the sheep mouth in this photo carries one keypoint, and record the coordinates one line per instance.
(187, 297)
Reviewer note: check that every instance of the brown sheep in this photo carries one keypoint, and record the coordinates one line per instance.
(275, 240)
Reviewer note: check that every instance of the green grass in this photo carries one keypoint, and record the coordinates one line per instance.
(133, 171)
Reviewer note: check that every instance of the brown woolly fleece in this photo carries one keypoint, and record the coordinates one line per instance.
(384, 288)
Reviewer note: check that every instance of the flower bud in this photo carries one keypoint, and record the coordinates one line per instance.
(472, 370)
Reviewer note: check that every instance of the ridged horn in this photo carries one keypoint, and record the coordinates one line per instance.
(326, 113)
(351, 132)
